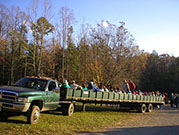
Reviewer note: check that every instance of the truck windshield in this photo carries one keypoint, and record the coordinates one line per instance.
(34, 83)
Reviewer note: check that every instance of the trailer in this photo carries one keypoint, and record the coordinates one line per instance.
(142, 103)
(32, 95)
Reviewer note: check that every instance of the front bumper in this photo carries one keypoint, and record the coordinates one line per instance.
(16, 107)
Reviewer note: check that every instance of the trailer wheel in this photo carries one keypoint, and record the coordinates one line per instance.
(149, 108)
(68, 109)
(34, 114)
(142, 108)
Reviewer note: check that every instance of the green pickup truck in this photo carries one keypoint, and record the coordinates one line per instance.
(32, 95)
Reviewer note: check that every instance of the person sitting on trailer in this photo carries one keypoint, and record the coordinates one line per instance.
(140, 92)
(91, 85)
(117, 90)
(134, 92)
(101, 87)
(153, 93)
(83, 86)
(157, 93)
(95, 88)
(75, 86)
(110, 88)
(145, 93)
(65, 84)
(105, 89)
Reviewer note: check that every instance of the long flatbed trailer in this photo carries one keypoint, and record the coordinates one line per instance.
(142, 103)
(32, 95)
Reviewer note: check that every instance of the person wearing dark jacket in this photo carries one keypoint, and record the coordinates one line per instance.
(176, 100)
(172, 99)
(90, 85)
(125, 86)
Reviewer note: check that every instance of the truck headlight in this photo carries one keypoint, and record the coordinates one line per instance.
(20, 99)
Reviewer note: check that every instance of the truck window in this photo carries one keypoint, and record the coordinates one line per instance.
(33, 83)
(52, 86)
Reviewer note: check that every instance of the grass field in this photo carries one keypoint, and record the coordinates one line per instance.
(55, 123)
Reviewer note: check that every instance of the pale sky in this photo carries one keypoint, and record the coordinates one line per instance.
(153, 23)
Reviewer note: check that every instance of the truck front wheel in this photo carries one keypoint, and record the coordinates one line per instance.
(33, 115)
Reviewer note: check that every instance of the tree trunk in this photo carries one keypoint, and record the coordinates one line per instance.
(12, 64)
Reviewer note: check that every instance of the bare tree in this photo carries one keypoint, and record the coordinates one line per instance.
(66, 20)
(48, 14)
(4, 49)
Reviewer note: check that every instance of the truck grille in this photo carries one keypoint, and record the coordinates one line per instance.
(7, 95)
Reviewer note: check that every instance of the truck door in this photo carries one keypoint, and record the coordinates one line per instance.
(52, 96)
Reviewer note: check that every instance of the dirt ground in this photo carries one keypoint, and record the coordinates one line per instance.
(158, 122)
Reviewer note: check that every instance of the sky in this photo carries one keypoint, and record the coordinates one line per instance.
(153, 23)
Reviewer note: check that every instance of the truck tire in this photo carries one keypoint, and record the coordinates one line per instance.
(68, 109)
(149, 108)
(142, 108)
(33, 115)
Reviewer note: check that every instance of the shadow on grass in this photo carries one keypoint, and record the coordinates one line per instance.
(156, 130)
(56, 112)
(92, 108)
(4, 117)
(103, 108)
(13, 121)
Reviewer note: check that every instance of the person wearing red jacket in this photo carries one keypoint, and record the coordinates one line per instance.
(132, 85)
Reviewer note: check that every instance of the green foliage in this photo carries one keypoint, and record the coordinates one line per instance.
(72, 62)
(161, 73)
(42, 27)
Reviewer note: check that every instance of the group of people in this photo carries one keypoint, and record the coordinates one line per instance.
(128, 87)
(92, 85)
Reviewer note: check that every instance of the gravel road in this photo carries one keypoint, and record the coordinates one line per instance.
(158, 122)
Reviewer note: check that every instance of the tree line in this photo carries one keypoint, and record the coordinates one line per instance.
(46, 45)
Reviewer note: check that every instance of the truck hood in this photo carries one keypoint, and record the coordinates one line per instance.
(21, 90)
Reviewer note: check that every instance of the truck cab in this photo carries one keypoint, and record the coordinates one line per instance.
(31, 95)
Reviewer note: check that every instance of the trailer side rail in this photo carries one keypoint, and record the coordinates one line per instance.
(95, 96)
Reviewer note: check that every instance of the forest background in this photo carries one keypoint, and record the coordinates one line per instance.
(47, 46)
